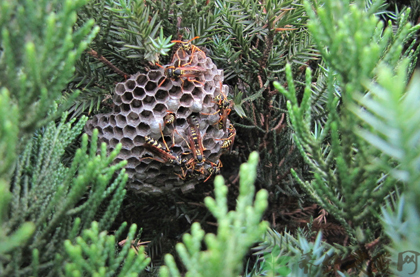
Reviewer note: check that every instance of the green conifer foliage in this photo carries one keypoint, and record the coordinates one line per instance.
(51, 195)
(11, 240)
(351, 119)
(345, 183)
(391, 118)
(94, 254)
(38, 51)
(8, 134)
(256, 40)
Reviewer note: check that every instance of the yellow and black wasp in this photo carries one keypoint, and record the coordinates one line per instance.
(186, 47)
(195, 139)
(163, 152)
(182, 72)
(228, 142)
(223, 108)
(213, 169)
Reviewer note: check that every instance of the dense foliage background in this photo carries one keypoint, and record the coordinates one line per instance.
(325, 92)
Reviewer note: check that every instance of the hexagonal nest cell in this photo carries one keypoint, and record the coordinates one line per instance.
(165, 137)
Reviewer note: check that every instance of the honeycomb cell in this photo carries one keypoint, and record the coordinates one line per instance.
(177, 149)
(161, 95)
(133, 118)
(127, 97)
(209, 143)
(143, 128)
(138, 140)
(108, 131)
(119, 89)
(188, 86)
(152, 174)
(188, 187)
(130, 171)
(129, 132)
(186, 100)
(118, 131)
(183, 112)
(149, 102)
(160, 109)
(208, 101)
(197, 93)
(201, 59)
(172, 104)
(169, 185)
(112, 120)
(175, 92)
(130, 84)
(181, 123)
(113, 142)
(121, 120)
(150, 86)
(209, 87)
(136, 106)
(207, 153)
(146, 115)
(140, 168)
(125, 109)
(225, 90)
(124, 153)
(137, 151)
(212, 131)
(155, 74)
(208, 76)
(141, 79)
(209, 63)
(103, 121)
(132, 162)
(139, 93)
(217, 79)
(153, 167)
(127, 144)
(117, 100)
(220, 73)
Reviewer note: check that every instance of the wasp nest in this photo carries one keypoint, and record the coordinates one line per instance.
(159, 116)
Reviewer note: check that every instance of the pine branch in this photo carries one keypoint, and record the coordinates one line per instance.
(50, 195)
(94, 253)
(39, 50)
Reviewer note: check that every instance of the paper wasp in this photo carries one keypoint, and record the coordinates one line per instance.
(228, 142)
(195, 139)
(169, 118)
(165, 155)
(214, 169)
(224, 108)
(186, 47)
(207, 169)
(223, 105)
(174, 73)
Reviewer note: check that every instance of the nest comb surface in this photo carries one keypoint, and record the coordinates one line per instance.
(140, 107)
